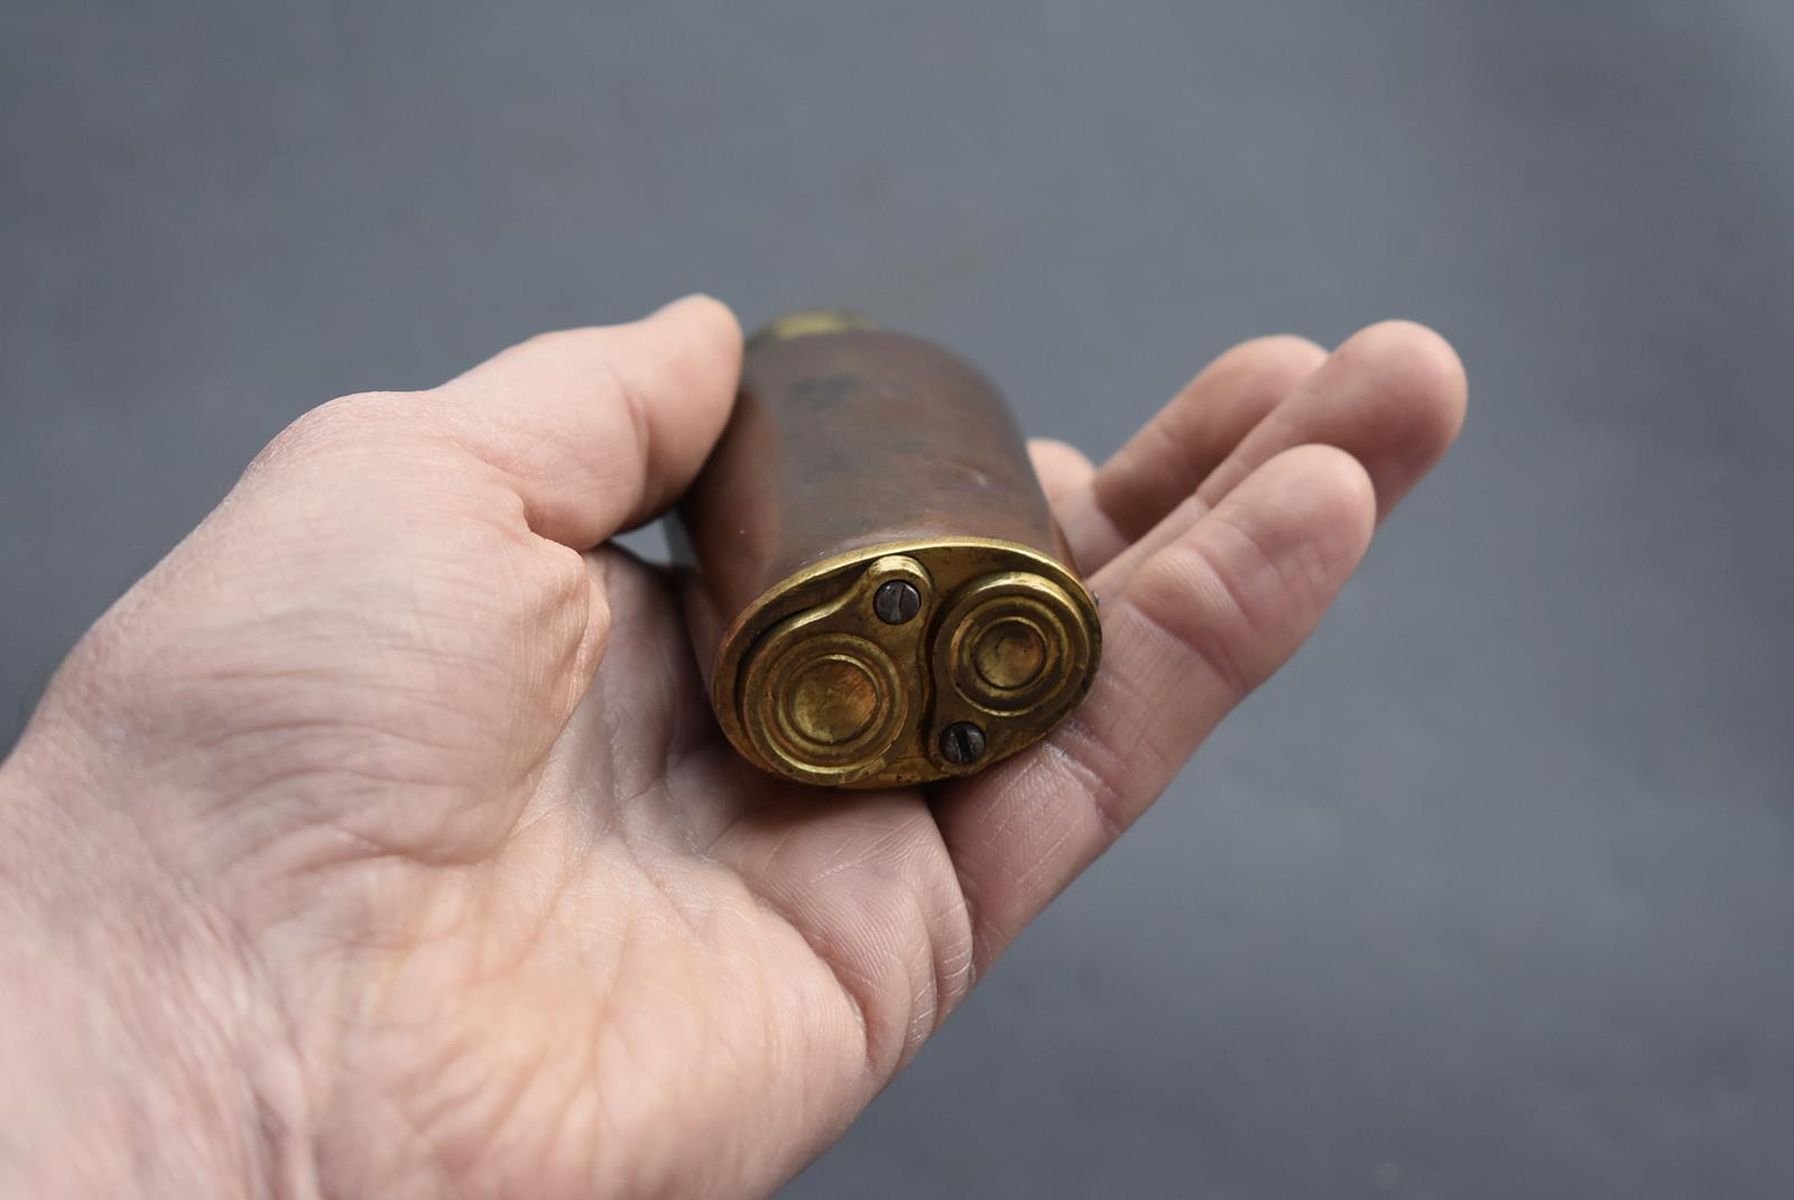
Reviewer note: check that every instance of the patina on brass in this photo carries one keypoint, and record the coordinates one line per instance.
(881, 596)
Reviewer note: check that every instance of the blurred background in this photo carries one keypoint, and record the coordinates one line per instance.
(1491, 893)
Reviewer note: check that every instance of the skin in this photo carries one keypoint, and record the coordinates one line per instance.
(379, 842)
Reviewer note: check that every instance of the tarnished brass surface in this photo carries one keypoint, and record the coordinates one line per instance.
(880, 596)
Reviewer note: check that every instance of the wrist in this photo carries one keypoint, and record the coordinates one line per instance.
(138, 1055)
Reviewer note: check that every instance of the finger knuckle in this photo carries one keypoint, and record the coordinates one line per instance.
(358, 420)
(1182, 597)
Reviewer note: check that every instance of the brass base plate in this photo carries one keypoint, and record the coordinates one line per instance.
(812, 683)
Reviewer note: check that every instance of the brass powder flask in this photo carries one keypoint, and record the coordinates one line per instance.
(881, 596)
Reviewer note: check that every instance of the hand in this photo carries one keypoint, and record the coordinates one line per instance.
(381, 843)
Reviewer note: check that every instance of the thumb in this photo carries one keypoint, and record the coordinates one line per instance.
(598, 429)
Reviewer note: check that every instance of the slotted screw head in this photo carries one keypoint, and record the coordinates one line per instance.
(962, 743)
(897, 601)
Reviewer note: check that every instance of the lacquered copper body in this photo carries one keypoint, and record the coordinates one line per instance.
(859, 459)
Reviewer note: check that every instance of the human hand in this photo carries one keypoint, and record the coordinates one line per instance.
(380, 841)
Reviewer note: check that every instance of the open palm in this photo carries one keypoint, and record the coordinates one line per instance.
(497, 909)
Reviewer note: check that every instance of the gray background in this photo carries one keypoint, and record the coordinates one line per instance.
(1492, 893)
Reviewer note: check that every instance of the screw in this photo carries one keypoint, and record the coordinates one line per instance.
(962, 743)
(896, 601)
